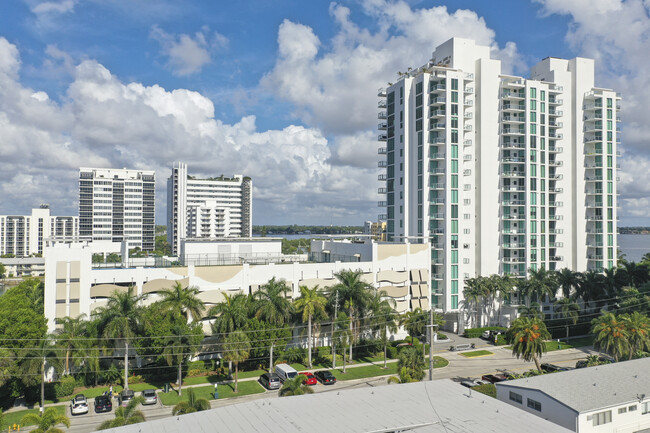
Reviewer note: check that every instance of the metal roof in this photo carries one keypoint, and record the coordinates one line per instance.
(418, 407)
(587, 389)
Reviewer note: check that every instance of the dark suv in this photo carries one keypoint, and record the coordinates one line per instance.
(552, 368)
(270, 381)
(103, 404)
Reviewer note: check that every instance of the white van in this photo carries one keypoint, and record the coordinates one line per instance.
(285, 371)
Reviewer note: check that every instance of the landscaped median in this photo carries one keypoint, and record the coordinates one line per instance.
(14, 417)
(245, 388)
(476, 353)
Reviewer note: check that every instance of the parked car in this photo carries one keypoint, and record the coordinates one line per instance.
(470, 383)
(125, 397)
(311, 380)
(103, 403)
(552, 368)
(270, 381)
(493, 378)
(325, 377)
(285, 371)
(509, 375)
(149, 396)
(582, 363)
(79, 405)
(490, 335)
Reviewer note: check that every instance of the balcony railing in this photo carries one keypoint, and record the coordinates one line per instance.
(382, 137)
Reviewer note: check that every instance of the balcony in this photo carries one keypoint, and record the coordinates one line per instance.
(554, 88)
(594, 244)
(439, 185)
(512, 119)
(594, 257)
(382, 217)
(554, 101)
(513, 173)
(594, 191)
(515, 231)
(554, 124)
(556, 177)
(381, 115)
(516, 217)
(382, 137)
(556, 189)
(437, 276)
(468, 76)
(467, 157)
(382, 164)
(468, 90)
(516, 83)
(513, 107)
(440, 100)
(382, 126)
(438, 113)
(517, 245)
(556, 258)
(555, 149)
(508, 94)
(468, 115)
(555, 203)
(513, 131)
(438, 260)
(467, 128)
(468, 102)
(555, 135)
(437, 216)
(438, 230)
(511, 145)
(437, 140)
(556, 231)
(382, 190)
(381, 104)
(439, 125)
(467, 142)
(514, 159)
(382, 177)
(556, 217)
(438, 88)
(381, 151)
(594, 178)
(594, 231)
(513, 188)
(553, 112)
(513, 202)
(594, 217)
(382, 204)
(514, 259)
(437, 170)
(555, 163)
(437, 200)
(438, 156)
(593, 204)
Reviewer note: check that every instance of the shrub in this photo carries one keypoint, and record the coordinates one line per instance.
(136, 378)
(501, 340)
(368, 347)
(392, 352)
(65, 387)
(195, 372)
(294, 354)
(477, 332)
(196, 365)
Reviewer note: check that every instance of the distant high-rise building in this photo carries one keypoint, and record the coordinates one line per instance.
(207, 208)
(377, 230)
(117, 205)
(501, 174)
(23, 236)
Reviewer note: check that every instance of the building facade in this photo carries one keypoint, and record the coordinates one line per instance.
(117, 204)
(207, 208)
(499, 173)
(24, 235)
(376, 230)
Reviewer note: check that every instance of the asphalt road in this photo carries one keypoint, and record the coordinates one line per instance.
(459, 368)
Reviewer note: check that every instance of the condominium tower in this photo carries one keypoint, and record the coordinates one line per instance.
(117, 205)
(24, 235)
(500, 173)
(207, 208)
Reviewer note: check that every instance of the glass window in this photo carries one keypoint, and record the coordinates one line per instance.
(454, 256)
(454, 272)
(602, 417)
(454, 84)
(533, 105)
(454, 302)
(542, 95)
(454, 166)
(454, 110)
(516, 397)
(454, 181)
(535, 405)
(533, 115)
(533, 92)
(542, 107)
(454, 286)
(454, 151)
(454, 226)
(454, 196)
(454, 122)
(454, 96)
(454, 136)
(533, 129)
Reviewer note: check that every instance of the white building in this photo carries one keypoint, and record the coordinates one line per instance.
(117, 204)
(499, 173)
(608, 398)
(23, 235)
(207, 208)
(74, 285)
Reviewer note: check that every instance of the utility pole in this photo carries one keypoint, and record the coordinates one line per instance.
(336, 312)
(431, 325)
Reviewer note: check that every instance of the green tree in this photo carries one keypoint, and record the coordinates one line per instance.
(47, 422)
(121, 320)
(182, 343)
(342, 335)
(353, 294)
(236, 349)
(383, 318)
(473, 294)
(637, 326)
(533, 310)
(415, 322)
(125, 415)
(295, 386)
(192, 404)
(230, 314)
(528, 336)
(35, 360)
(3, 270)
(70, 336)
(569, 310)
(410, 366)
(182, 301)
(542, 283)
(273, 304)
(567, 280)
(611, 335)
(311, 302)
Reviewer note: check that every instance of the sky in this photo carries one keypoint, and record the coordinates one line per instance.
(282, 91)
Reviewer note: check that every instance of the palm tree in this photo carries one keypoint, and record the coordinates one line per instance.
(414, 322)
(121, 320)
(383, 318)
(528, 334)
(534, 310)
(34, 360)
(473, 293)
(542, 283)
(273, 306)
(179, 346)
(231, 314)
(47, 422)
(353, 295)
(310, 303)
(192, 404)
(611, 335)
(638, 328)
(567, 280)
(410, 365)
(590, 287)
(569, 310)
(182, 301)
(236, 348)
(342, 334)
(70, 338)
(125, 415)
(295, 386)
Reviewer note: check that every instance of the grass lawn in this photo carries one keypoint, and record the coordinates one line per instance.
(487, 389)
(582, 341)
(552, 346)
(377, 370)
(12, 418)
(476, 353)
(94, 392)
(207, 392)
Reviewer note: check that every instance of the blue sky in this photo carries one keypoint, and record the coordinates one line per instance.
(261, 88)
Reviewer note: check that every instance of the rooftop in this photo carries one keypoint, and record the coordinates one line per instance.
(587, 389)
(421, 407)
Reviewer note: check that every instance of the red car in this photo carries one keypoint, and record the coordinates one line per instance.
(311, 380)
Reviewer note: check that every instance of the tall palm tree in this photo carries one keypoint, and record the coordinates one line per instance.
(47, 422)
(542, 283)
(342, 334)
(569, 310)
(237, 349)
(534, 310)
(295, 386)
(70, 337)
(180, 345)
(273, 306)
(567, 280)
(590, 287)
(125, 415)
(182, 301)
(383, 318)
(506, 287)
(192, 404)
(638, 328)
(310, 303)
(410, 366)
(353, 295)
(637, 273)
(473, 293)
(121, 319)
(415, 322)
(36, 359)
(230, 314)
(611, 335)
(528, 335)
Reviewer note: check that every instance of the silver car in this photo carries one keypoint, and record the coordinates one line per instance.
(149, 396)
